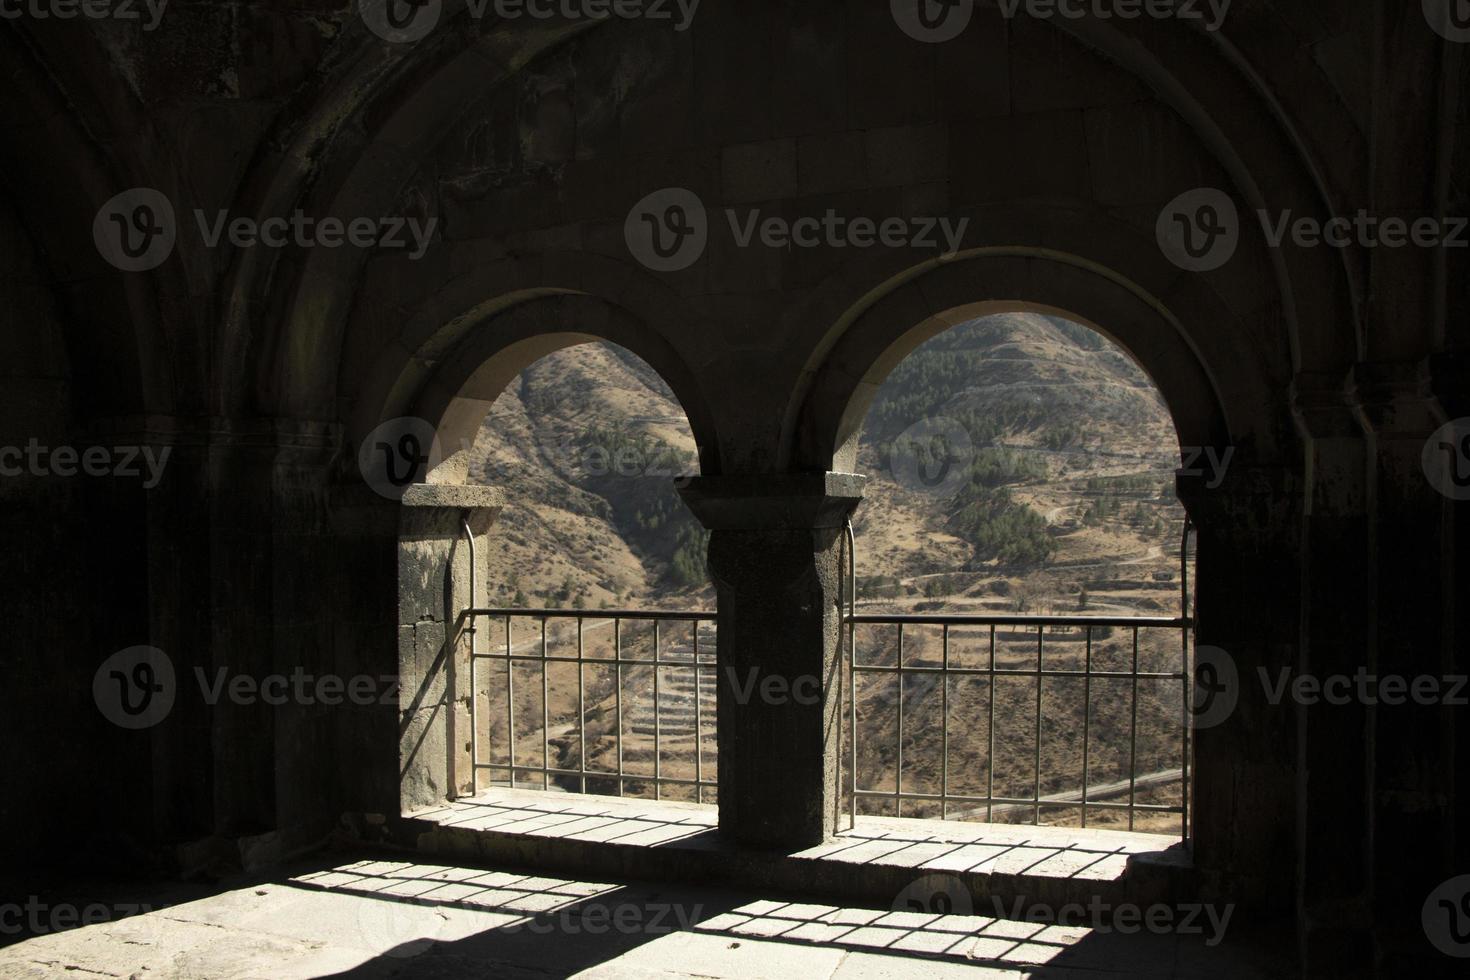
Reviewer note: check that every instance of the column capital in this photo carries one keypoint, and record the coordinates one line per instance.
(1397, 400)
(1255, 501)
(1450, 376)
(779, 501)
(1325, 406)
(443, 505)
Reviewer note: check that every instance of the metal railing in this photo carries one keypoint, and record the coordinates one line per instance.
(1086, 798)
(699, 661)
(691, 664)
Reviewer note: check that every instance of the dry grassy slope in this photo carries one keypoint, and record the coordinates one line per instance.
(555, 529)
(1122, 430)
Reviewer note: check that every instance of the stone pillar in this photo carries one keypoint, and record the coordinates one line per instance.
(776, 556)
(433, 647)
(1411, 745)
(1334, 869)
(1248, 569)
(1451, 373)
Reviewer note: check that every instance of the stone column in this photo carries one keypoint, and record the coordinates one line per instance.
(1411, 744)
(433, 647)
(776, 556)
(1334, 869)
(1248, 570)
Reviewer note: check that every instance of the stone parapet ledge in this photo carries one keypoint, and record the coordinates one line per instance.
(454, 495)
(757, 502)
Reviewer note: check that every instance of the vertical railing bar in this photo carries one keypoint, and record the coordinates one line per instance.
(474, 722)
(658, 786)
(510, 698)
(618, 693)
(851, 671)
(1040, 635)
(1086, 723)
(582, 704)
(545, 715)
(698, 723)
(1184, 736)
(990, 758)
(898, 781)
(1133, 737)
(842, 600)
(1187, 726)
(944, 730)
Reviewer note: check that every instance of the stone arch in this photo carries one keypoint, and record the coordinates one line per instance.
(458, 370)
(61, 173)
(367, 132)
(874, 336)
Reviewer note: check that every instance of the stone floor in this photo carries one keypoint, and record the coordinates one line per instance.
(366, 916)
(1069, 852)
